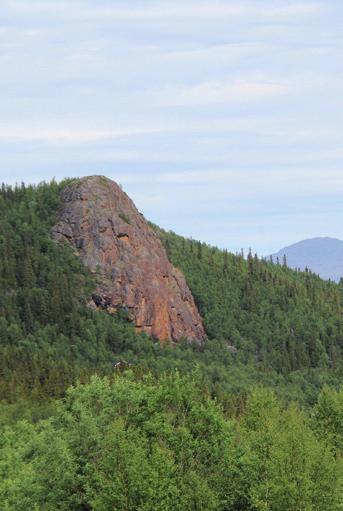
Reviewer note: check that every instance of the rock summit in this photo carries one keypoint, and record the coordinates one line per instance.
(133, 272)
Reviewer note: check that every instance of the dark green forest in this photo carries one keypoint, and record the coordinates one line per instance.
(275, 317)
(252, 419)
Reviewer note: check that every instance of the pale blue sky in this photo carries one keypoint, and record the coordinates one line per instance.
(223, 120)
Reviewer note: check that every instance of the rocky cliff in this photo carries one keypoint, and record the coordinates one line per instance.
(114, 240)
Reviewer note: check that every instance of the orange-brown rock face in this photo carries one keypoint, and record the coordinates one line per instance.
(113, 239)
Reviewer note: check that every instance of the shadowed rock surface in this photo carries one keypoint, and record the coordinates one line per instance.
(113, 239)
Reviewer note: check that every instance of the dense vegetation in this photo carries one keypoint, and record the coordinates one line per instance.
(277, 319)
(130, 445)
(274, 316)
(152, 438)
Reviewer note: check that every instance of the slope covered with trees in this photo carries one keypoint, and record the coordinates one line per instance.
(264, 322)
(47, 334)
(184, 427)
(278, 317)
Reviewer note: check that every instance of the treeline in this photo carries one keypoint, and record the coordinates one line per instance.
(265, 323)
(144, 444)
(184, 427)
(274, 316)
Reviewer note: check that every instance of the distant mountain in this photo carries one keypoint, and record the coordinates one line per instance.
(321, 255)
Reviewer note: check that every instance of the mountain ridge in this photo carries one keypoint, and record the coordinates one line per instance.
(263, 321)
(322, 255)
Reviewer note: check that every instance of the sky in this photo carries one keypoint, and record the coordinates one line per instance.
(223, 120)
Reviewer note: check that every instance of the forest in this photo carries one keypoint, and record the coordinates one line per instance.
(252, 419)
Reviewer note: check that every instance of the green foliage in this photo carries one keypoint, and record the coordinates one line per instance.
(48, 337)
(145, 444)
(288, 467)
(154, 438)
(275, 317)
(125, 218)
(328, 415)
(262, 319)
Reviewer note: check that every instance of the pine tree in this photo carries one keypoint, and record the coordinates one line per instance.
(199, 252)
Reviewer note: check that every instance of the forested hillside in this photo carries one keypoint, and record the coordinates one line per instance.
(186, 426)
(278, 317)
(263, 320)
(255, 313)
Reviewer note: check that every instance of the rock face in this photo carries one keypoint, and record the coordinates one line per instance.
(114, 240)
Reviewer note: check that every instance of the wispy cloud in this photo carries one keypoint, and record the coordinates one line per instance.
(223, 52)
(240, 182)
(211, 131)
(67, 135)
(213, 112)
(243, 181)
(224, 91)
(179, 10)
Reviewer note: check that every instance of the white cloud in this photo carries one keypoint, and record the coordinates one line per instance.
(214, 92)
(219, 52)
(66, 134)
(211, 132)
(178, 10)
(242, 182)
(239, 182)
